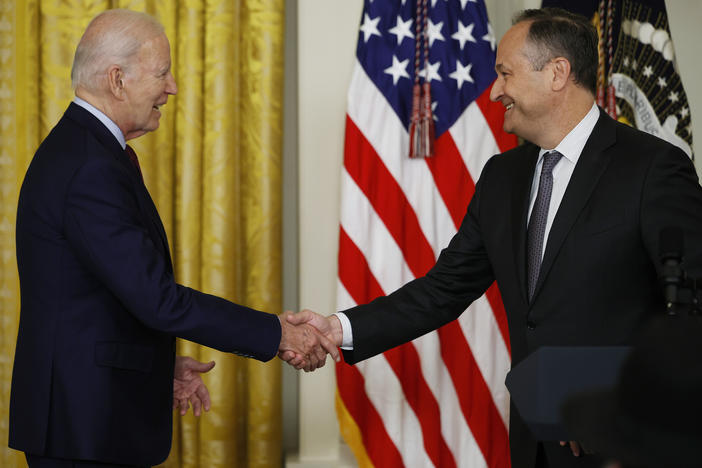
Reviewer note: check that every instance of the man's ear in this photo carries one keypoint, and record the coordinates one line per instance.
(561, 73)
(115, 81)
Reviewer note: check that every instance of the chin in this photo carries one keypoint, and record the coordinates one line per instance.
(152, 126)
(508, 127)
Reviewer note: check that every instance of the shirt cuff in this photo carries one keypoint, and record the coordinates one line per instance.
(346, 333)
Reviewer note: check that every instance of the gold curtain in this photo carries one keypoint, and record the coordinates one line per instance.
(213, 169)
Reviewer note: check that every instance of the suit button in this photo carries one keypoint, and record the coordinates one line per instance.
(530, 325)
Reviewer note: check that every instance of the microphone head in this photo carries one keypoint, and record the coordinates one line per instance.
(671, 243)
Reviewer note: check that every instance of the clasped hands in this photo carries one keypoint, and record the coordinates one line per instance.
(307, 338)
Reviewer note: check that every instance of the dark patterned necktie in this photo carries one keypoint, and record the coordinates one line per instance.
(537, 222)
(134, 160)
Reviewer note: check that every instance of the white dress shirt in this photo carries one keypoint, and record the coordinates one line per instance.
(106, 121)
(571, 146)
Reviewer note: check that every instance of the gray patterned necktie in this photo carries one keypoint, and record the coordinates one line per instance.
(537, 221)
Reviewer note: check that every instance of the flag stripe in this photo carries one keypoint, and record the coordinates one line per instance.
(351, 433)
(381, 450)
(445, 170)
(388, 200)
(404, 360)
(350, 381)
(376, 245)
(476, 402)
(401, 422)
(489, 351)
(372, 237)
(498, 310)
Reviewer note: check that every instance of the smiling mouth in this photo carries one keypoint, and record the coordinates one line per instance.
(509, 106)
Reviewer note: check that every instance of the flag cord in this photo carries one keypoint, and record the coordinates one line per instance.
(421, 122)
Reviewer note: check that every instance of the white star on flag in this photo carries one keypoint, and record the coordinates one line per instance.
(397, 69)
(435, 32)
(661, 82)
(402, 29)
(370, 27)
(673, 96)
(490, 37)
(462, 74)
(464, 34)
(684, 112)
(648, 71)
(626, 61)
(433, 72)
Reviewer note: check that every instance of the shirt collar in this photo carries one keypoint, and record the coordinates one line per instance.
(106, 121)
(571, 146)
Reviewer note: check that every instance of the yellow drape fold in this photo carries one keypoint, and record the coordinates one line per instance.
(213, 169)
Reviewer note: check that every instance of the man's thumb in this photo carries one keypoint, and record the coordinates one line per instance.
(204, 366)
(300, 317)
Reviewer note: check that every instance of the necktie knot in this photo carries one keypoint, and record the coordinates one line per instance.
(550, 160)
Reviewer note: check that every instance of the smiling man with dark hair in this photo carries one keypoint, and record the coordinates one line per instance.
(567, 224)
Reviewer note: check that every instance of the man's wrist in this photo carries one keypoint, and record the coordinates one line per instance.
(337, 332)
(346, 340)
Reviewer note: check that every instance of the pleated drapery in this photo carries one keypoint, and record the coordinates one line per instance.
(213, 168)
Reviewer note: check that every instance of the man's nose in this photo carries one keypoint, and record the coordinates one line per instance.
(171, 87)
(496, 90)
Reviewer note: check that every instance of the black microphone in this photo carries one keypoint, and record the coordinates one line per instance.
(671, 245)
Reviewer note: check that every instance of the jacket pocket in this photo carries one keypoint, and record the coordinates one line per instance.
(124, 356)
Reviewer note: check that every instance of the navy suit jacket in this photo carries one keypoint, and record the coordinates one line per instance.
(598, 279)
(93, 372)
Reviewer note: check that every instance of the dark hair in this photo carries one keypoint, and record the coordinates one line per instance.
(555, 32)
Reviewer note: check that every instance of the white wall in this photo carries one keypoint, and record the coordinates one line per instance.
(326, 40)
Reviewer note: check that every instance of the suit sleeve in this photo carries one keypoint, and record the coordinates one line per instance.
(461, 274)
(103, 225)
(672, 197)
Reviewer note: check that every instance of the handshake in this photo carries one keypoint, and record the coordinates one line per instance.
(307, 338)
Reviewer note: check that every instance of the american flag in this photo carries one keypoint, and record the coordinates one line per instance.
(439, 400)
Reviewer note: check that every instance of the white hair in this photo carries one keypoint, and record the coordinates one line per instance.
(112, 37)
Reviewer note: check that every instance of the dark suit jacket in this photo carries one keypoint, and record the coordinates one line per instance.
(598, 279)
(93, 373)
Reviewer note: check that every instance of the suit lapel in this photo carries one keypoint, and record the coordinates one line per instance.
(155, 219)
(148, 209)
(591, 165)
(520, 206)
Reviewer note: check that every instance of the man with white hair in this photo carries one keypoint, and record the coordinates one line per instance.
(93, 379)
